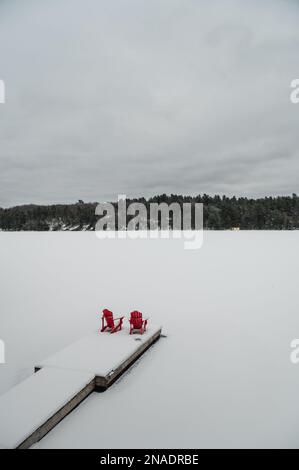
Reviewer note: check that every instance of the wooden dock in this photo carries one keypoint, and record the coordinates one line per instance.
(61, 382)
(31, 409)
(104, 355)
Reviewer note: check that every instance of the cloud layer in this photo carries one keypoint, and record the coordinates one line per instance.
(143, 97)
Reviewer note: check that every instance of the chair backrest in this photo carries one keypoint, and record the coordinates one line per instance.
(136, 319)
(108, 317)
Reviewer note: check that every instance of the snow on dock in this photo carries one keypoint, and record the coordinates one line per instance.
(31, 409)
(105, 355)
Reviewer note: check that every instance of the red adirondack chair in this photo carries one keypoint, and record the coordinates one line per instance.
(137, 323)
(110, 323)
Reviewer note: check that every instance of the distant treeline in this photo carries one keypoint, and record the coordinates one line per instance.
(220, 213)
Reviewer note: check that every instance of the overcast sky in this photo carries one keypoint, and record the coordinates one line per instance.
(141, 97)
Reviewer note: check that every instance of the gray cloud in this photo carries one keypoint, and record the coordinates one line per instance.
(142, 97)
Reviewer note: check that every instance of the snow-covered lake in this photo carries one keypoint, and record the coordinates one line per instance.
(222, 377)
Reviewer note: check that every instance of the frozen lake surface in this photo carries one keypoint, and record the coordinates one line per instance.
(222, 377)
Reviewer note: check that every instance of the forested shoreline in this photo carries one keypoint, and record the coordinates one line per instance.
(220, 213)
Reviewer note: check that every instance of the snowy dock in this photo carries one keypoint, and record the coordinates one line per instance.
(105, 355)
(31, 409)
